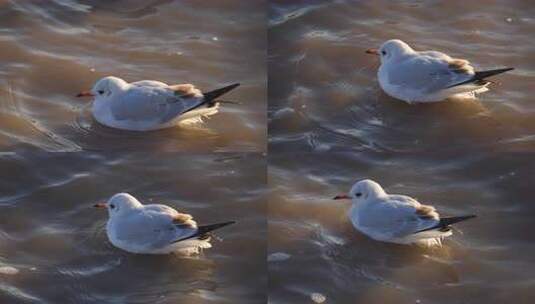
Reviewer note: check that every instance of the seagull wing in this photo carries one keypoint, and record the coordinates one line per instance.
(185, 227)
(149, 229)
(152, 103)
(398, 216)
(435, 54)
(149, 83)
(180, 220)
(429, 72)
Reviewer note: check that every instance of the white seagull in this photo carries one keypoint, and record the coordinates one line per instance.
(154, 228)
(396, 218)
(427, 76)
(150, 105)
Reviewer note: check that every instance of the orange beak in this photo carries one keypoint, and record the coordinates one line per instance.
(85, 94)
(100, 205)
(373, 51)
(341, 196)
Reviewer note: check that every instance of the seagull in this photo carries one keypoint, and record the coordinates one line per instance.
(427, 76)
(153, 228)
(150, 105)
(396, 218)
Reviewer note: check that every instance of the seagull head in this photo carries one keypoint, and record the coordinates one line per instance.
(363, 190)
(391, 50)
(119, 203)
(105, 88)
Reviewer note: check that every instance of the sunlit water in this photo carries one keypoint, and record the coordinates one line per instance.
(53, 244)
(55, 239)
(51, 50)
(323, 98)
(461, 155)
(323, 89)
(313, 247)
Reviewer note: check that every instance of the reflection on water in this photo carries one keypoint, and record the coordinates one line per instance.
(323, 90)
(324, 98)
(52, 50)
(313, 247)
(55, 239)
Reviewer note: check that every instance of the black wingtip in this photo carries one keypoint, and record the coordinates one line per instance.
(202, 231)
(484, 74)
(209, 96)
(455, 219)
(481, 75)
(207, 228)
(445, 222)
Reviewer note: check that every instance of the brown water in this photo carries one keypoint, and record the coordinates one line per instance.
(313, 247)
(53, 245)
(57, 241)
(323, 89)
(51, 50)
(461, 156)
(329, 125)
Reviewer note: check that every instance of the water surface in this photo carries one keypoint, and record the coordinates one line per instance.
(323, 90)
(51, 234)
(51, 50)
(313, 247)
(463, 156)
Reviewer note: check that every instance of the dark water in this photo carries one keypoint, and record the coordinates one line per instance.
(489, 259)
(331, 125)
(323, 89)
(53, 245)
(57, 241)
(51, 50)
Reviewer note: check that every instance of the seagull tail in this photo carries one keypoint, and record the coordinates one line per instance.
(209, 97)
(479, 77)
(203, 231)
(445, 222)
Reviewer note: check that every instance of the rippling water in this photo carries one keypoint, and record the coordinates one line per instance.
(461, 156)
(314, 249)
(330, 124)
(53, 245)
(323, 90)
(57, 241)
(51, 50)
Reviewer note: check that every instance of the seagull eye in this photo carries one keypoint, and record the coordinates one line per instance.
(112, 206)
(383, 52)
(100, 92)
(358, 194)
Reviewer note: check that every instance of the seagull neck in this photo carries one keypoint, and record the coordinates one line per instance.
(402, 55)
(135, 207)
(375, 191)
(377, 194)
(121, 87)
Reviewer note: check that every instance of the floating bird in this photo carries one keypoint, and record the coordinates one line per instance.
(427, 76)
(150, 105)
(396, 218)
(154, 228)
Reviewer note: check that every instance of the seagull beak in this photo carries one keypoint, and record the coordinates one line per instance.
(341, 196)
(372, 51)
(100, 205)
(85, 94)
